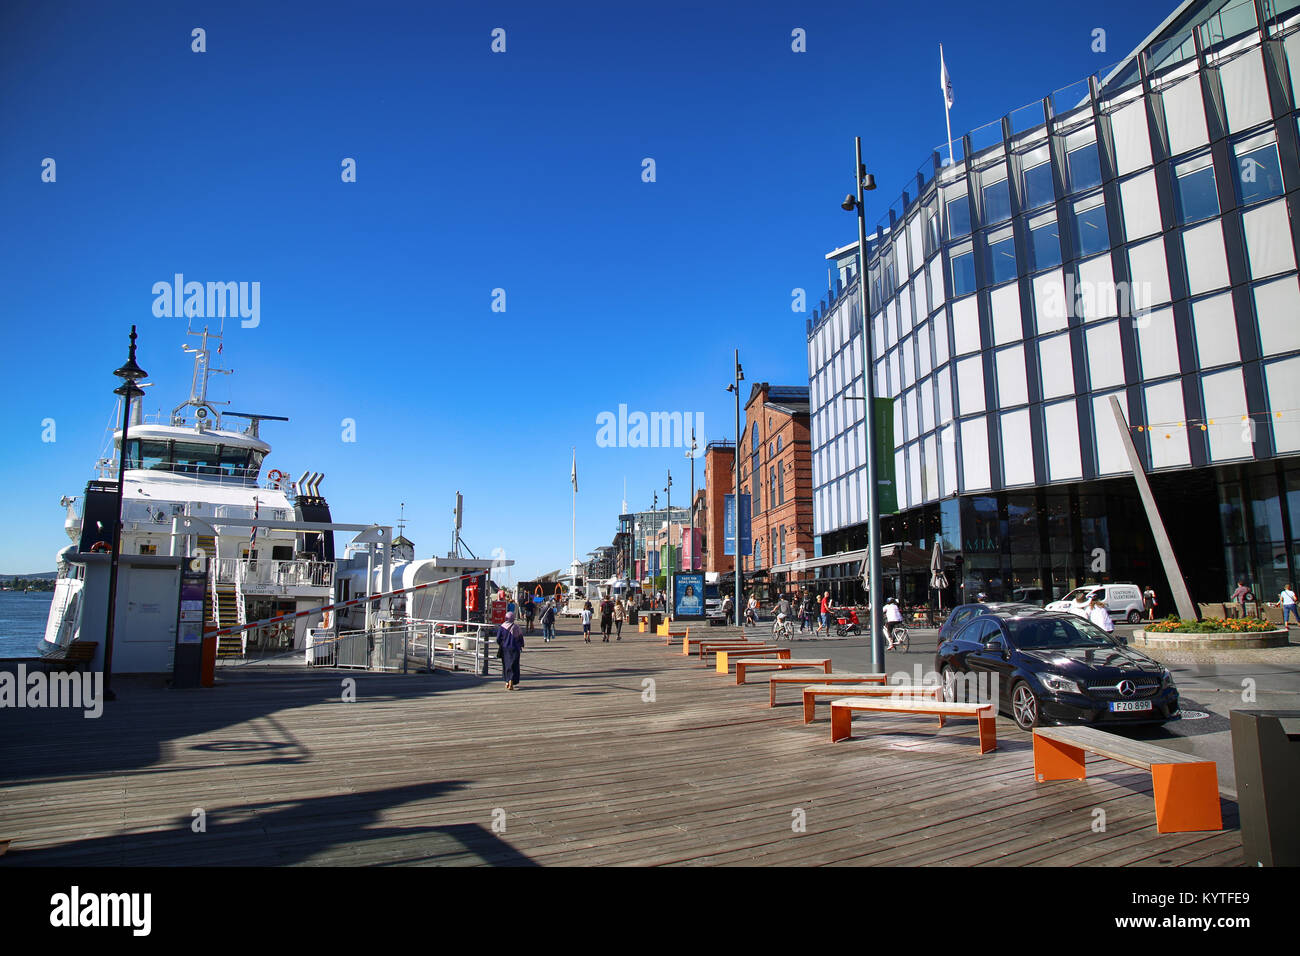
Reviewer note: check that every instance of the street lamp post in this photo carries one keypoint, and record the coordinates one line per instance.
(691, 455)
(668, 578)
(130, 373)
(864, 181)
(734, 387)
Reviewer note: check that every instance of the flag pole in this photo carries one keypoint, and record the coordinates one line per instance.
(947, 82)
(573, 541)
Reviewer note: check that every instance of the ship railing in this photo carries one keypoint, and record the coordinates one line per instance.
(407, 646)
(262, 573)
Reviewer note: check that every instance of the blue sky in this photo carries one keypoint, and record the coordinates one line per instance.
(476, 171)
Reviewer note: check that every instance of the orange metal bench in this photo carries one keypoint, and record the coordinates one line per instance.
(842, 712)
(1186, 787)
(875, 691)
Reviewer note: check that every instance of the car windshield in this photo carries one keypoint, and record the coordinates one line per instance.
(1031, 634)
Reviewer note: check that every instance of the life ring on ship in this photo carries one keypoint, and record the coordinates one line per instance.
(276, 476)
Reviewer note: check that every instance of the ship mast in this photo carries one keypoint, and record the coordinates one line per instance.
(199, 384)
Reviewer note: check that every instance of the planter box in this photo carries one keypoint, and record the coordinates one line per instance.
(1192, 641)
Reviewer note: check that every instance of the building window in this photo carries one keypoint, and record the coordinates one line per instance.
(783, 544)
(1039, 190)
(997, 202)
(932, 234)
(1002, 259)
(1259, 174)
(963, 274)
(780, 480)
(1045, 243)
(1092, 233)
(958, 218)
(1085, 167)
(1197, 196)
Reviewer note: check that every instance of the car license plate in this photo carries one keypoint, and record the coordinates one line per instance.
(1123, 705)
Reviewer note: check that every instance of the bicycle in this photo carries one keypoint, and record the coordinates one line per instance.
(897, 638)
(783, 630)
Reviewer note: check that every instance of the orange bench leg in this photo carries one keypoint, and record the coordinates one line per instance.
(1054, 760)
(809, 707)
(841, 723)
(740, 673)
(988, 734)
(783, 654)
(720, 663)
(828, 667)
(1187, 797)
(771, 693)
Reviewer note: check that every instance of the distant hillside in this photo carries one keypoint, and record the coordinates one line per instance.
(39, 575)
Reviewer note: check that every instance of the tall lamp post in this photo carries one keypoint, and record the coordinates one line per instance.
(864, 181)
(691, 455)
(735, 462)
(668, 577)
(130, 373)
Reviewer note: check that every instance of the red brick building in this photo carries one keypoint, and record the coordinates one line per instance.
(719, 457)
(776, 471)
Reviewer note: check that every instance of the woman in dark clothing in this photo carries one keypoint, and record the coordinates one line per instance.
(510, 641)
(606, 618)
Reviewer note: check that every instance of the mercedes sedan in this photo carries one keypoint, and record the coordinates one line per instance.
(1052, 667)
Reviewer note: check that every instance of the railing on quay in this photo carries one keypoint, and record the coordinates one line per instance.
(409, 645)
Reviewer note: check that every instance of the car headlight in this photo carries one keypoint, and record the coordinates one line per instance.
(1166, 678)
(1058, 684)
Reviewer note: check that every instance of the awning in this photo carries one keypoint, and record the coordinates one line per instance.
(912, 559)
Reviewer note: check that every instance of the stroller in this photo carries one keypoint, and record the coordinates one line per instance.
(845, 626)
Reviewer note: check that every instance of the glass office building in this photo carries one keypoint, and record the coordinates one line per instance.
(1130, 236)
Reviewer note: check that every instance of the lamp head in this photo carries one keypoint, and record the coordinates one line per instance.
(850, 203)
(868, 181)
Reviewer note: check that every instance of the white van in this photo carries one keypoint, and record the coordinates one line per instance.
(1123, 601)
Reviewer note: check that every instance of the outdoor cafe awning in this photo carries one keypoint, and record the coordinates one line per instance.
(911, 558)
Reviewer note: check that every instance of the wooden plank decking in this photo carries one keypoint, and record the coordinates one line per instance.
(575, 768)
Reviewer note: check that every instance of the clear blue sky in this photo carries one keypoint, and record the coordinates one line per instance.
(475, 171)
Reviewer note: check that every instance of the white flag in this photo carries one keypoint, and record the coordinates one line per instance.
(945, 81)
(573, 475)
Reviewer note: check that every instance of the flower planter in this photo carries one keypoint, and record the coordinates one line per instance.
(1193, 641)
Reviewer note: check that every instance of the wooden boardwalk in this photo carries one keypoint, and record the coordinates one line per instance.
(575, 768)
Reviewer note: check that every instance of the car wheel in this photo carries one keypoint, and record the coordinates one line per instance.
(1024, 706)
(1134, 616)
(949, 683)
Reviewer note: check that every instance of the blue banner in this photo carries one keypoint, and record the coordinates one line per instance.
(729, 525)
(688, 595)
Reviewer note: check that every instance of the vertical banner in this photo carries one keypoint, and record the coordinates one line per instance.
(688, 595)
(887, 491)
(729, 523)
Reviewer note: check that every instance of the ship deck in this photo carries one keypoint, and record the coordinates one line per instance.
(575, 768)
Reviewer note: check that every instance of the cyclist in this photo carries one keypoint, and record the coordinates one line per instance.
(782, 613)
(893, 620)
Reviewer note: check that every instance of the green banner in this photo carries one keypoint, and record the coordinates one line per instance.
(887, 492)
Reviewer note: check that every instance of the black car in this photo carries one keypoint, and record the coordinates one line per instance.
(963, 614)
(1053, 667)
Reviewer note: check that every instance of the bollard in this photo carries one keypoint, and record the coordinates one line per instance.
(1266, 758)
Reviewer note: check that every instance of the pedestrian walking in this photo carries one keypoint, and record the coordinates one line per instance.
(1241, 596)
(510, 644)
(619, 613)
(548, 622)
(727, 607)
(1287, 600)
(805, 613)
(1081, 604)
(586, 622)
(1098, 614)
(530, 612)
(824, 612)
(1149, 602)
(751, 610)
(606, 618)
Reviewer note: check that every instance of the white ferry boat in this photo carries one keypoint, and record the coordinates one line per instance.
(196, 465)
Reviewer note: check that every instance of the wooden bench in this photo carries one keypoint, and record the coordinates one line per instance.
(78, 654)
(783, 664)
(841, 678)
(689, 644)
(680, 635)
(842, 712)
(709, 646)
(812, 691)
(725, 656)
(1186, 787)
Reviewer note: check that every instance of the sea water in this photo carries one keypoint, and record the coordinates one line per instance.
(22, 622)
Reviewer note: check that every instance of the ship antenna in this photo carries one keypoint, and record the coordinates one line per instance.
(199, 383)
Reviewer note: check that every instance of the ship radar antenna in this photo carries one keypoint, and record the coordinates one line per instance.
(203, 368)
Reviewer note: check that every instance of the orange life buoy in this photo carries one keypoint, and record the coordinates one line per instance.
(276, 476)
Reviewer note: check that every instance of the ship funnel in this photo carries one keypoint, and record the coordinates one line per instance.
(302, 482)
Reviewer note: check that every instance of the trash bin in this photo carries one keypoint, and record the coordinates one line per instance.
(1266, 756)
(656, 621)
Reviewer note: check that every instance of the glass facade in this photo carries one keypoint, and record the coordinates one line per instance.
(1136, 243)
